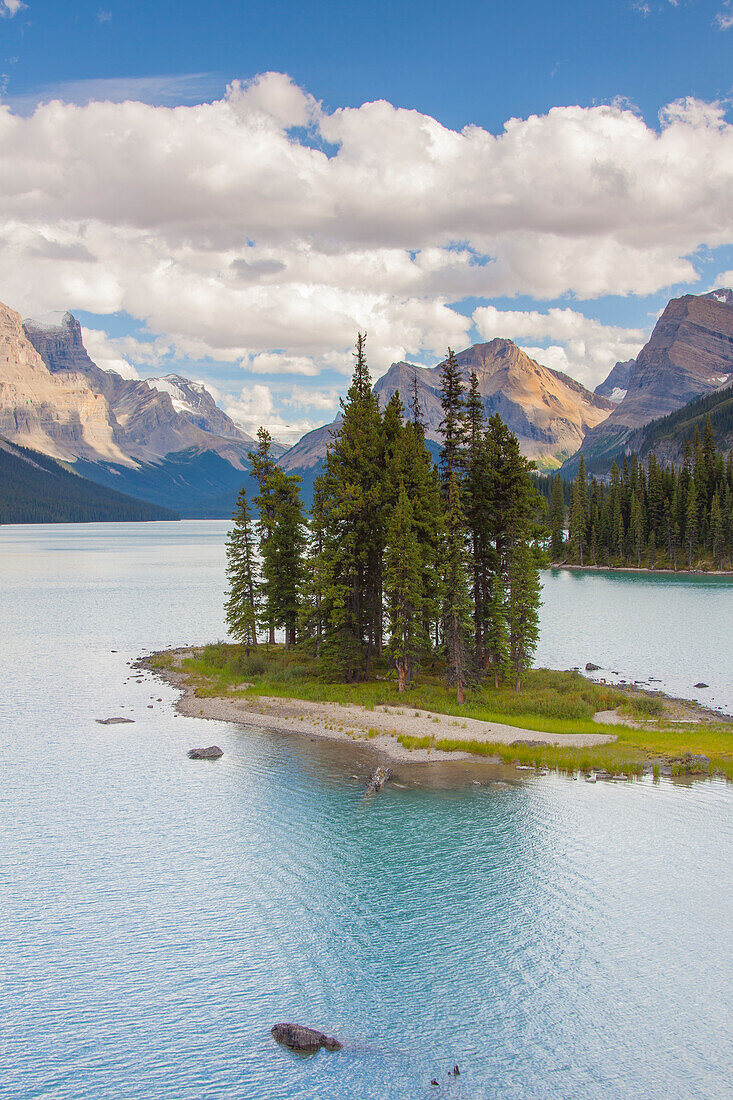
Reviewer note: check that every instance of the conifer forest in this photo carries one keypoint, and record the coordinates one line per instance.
(401, 560)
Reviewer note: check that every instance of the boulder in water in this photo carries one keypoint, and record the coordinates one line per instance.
(213, 752)
(590, 667)
(701, 685)
(115, 721)
(305, 1039)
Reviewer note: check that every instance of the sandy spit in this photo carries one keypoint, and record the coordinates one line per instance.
(351, 724)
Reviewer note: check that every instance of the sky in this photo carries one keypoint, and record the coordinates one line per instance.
(231, 191)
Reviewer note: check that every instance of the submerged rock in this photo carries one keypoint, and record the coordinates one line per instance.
(306, 1039)
(213, 752)
(381, 776)
(115, 721)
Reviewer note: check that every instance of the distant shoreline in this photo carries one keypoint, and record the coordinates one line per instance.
(641, 569)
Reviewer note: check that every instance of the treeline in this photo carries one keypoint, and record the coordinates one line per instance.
(36, 489)
(399, 556)
(677, 426)
(648, 515)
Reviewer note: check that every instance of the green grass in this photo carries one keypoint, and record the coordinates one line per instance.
(551, 702)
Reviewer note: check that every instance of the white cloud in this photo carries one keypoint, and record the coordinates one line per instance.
(582, 347)
(724, 18)
(234, 237)
(124, 353)
(279, 363)
(105, 352)
(300, 398)
(9, 8)
(255, 408)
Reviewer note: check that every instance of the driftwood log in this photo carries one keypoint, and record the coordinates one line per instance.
(213, 752)
(305, 1039)
(381, 776)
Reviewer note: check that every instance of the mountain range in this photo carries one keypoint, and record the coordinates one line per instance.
(689, 355)
(166, 442)
(549, 412)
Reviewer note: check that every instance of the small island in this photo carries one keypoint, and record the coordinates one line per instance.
(409, 606)
(561, 720)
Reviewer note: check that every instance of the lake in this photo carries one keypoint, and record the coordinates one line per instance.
(553, 938)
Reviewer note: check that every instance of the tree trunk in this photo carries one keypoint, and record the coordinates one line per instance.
(401, 673)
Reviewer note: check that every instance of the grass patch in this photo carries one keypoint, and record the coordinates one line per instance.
(643, 706)
(551, 702)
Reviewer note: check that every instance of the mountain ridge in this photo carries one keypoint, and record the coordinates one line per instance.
(548, 411)
(689, 354)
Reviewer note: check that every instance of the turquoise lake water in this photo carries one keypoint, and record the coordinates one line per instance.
(554, 938)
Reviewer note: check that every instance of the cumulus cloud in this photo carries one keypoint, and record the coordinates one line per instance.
(264, 230)
(581, 346)
(255, 407)
(105, 352)
(724, 18)
(299, 398)
(125, 353)
(9, 8)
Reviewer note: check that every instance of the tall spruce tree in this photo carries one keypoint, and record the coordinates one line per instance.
(283, 566)
(453, 424)
(457, 609)
(241, 605)
(523, 610)
(403, 590)
(263, 468)
(497, 644)
(557, 519)
(351, 488)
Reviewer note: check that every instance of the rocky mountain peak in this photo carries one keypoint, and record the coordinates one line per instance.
(722, 294)
(549, 412)
(689, 354)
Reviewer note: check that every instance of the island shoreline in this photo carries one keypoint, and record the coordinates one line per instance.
(396, 734)
(377, 730)
(570, 567)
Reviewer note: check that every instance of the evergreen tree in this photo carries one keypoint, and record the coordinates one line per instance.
(351, 488)
(415, 409)
(717, 531)
(453, 424)
(557, 519)
(476, 500)
(403, 590)
(691, 524)
(523, 611)
(457, 613)
(497, 644)
(283, 568)
(241, 605)
(577, 523)
(263, 469)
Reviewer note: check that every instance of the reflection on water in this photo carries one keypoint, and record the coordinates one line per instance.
(555, 939)
(670, 631)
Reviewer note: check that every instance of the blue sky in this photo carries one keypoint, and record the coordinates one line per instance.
(245, 242)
